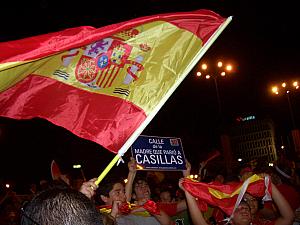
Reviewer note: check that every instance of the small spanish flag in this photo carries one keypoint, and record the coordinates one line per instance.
(225, 196)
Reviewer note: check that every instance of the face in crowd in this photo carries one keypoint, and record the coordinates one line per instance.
(165, 196)
(142, 190)
(242, 215)
(252, 202)
(117, 193)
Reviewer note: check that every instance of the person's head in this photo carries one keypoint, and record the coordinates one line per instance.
(33, 188)
(242, 215)
(165, 196)
(57, 206)
(141, 189)
(179, 194)
(245, 173)
(112, 190)
(219, 178)
(44, 184)
(252, 202)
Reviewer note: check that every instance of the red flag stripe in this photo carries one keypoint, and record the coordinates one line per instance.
(83, 118)
(48, 44)
(77, 105)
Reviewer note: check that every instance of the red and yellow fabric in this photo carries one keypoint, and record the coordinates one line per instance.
(101, 84)
(148, 209)
(124, 208)
(224, 196)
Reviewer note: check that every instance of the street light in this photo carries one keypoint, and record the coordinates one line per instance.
(287, 88)
(218, 70)
(215, 72)
(78, 166)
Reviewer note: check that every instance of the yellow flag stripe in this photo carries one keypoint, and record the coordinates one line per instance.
(222, 195)
(142, 66)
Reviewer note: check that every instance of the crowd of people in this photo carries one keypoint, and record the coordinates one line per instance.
(142, 200)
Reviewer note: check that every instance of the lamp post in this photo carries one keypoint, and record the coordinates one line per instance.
(287, 88)
(219, 70)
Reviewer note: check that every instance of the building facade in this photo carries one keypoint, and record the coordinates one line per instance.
(253, 139)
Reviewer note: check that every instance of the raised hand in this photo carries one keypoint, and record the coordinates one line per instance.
(89, 188)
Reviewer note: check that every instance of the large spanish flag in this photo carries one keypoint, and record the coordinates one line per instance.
(225, 196)
(102, 84)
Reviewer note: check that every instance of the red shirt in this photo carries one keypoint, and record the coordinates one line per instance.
(169, 208)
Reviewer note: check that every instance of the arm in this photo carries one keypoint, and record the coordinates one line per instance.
(201, 174)
(108, 219)
(187, 172)
(286, 213)
(130, 178)
(268, 212)
(115, 209)
(194, 211)
(181, 206)
(163, 218)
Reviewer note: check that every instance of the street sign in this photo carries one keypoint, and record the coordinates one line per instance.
(158, 153)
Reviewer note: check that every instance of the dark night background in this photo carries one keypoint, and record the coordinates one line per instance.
(262, 42)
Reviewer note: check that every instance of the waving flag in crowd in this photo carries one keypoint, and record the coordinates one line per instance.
(104, 84)
(225, 196)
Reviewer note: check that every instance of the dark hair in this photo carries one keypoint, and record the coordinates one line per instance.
(59, 184)
(138, 180)
(260, 204)
(243, 202)
(167, 187)
(59, 206)
(107, 185)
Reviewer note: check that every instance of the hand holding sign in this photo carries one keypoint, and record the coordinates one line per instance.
(132, 165)
(187, 172)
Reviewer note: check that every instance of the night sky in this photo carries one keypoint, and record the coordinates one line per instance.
(262, 42)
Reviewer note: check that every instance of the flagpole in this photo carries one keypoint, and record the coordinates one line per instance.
(148, 119)
(107, 169)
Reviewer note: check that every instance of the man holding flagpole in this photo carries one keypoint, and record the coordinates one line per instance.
(105, 84)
